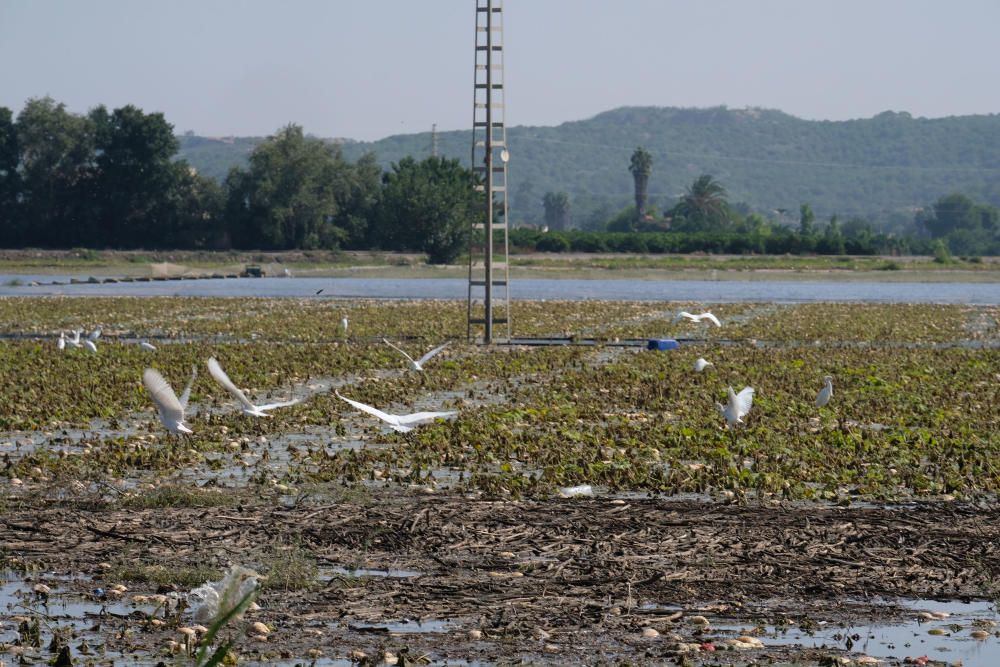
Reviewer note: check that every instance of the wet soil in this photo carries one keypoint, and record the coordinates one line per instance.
(562, 581)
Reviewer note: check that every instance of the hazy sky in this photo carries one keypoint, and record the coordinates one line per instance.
(366, 69)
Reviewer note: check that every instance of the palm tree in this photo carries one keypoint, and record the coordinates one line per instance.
(704, 204)
(640, 166)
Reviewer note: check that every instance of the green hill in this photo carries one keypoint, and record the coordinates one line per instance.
(881, 168)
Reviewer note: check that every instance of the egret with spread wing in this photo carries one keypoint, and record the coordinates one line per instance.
(737, 407)
(170, 408)
(697, 318)
(248, 408)
(401, 423)
(417, 365)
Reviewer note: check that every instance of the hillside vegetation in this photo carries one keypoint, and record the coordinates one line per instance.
(880, 168)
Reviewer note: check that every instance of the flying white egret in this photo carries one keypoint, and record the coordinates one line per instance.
(90, 345)
(95, 334)
(697, 318)
(146, 345)
(401, 423)
(170, 408)
(61, 343)
(700, 365)
(248, 408)
(417, 365)
(823, 397)
(738, 406)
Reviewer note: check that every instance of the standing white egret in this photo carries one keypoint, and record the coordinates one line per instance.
(824, 395)
(61, 343)
(738, 405)
(700, 364)
(90, 345)
(417, 365)
(146, 345)
(697, 318)
(248, 408)
(401, 423)
(75, 340)
(95, 334)
(170, 408)
(343, 323)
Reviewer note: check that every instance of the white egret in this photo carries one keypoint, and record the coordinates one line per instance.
(343, 323)
(823, 397)
(401, 423)
(700, 365)
(75, 340)
(146, 345)
(248, 408)
(170, 408)
(738, 405)
(697, 318)
(90, 345)
(61, 343)
(95, 334)
(417, 365)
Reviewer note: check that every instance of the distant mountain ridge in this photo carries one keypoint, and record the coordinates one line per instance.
(879, 168)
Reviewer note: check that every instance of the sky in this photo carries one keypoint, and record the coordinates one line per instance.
(367, 69)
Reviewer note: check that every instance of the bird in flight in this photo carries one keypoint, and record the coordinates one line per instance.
(737, 407)
(248, 408)
(697, 318)
(417, 365)
(401, 423)
(824, 395)
(171, 408)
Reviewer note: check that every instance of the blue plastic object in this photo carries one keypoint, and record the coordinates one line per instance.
(662, 344)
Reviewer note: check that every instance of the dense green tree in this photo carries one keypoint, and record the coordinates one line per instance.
(10, 180)
(641, 165)
(56, 151)
(290, 195)
(429, 206)
(135, 177)
(557, 210)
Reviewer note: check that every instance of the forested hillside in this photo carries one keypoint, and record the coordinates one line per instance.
(880, 168)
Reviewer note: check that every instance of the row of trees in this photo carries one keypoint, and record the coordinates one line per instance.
(704, 212)
(110, 179)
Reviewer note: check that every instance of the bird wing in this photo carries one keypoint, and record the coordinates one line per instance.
(220, 376)
(427, 357)
(421, 417)
(187, 389)
(392, 420)
(95, 334)
(281, 404)
(682, 315)
(712, 318)
(163, 396)
(398, 350)
(743, 400)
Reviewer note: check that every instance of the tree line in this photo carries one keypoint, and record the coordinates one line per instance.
(110, 179)
(703, 219)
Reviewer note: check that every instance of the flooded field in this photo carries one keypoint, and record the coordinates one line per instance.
(864, 530)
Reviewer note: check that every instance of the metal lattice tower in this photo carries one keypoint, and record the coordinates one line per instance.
(489, 275)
